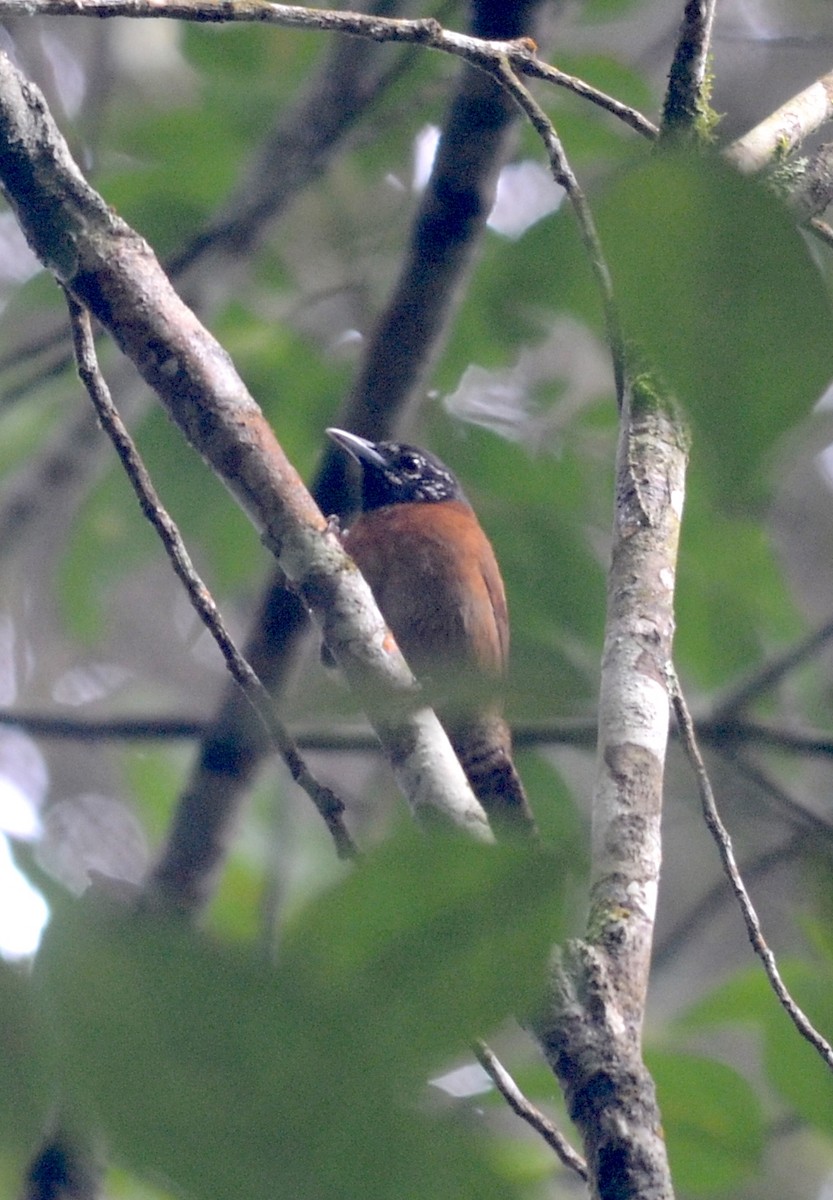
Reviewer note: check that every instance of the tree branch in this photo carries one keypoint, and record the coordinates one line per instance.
(783, 131)
(686, 113)
(329, 806)
(527, 1111)
(591, 1031)
(724, 845)
(427, 32)
(397, 358)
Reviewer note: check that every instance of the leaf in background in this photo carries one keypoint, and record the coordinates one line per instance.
(746, 999)
(716, 284)
(207, 1067)
(793, 1067)
(432, 939)
(713, 1120)
(732, 600)
(25, 1095)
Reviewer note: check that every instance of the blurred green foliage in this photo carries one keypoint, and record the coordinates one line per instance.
(204, 1065)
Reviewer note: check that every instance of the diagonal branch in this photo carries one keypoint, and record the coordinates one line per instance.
(775, 138)
(329, 806)
(527, 1111)
(724, 845)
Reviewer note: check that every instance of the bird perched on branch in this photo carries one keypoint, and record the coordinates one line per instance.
(435, 578)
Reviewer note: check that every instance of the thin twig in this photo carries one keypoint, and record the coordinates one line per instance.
(724, 845)
(527, 1111)
(564, 175)
(629, 116)
(328, 804)
(581, 732)
(426, 31)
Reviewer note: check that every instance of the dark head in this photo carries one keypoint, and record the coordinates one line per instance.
(393, 473)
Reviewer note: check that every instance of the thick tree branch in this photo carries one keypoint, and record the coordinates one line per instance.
(591, 1032)
(686, 113)
(782, 132)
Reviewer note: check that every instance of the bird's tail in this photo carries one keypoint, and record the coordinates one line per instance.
(484, 747)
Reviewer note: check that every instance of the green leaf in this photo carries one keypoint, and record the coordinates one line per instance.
(466, 928)
(25, 1094)
(794, 1066)
(713, 1121)
(209, 1068)
(715, 282)
(746, 998)
(733, 604)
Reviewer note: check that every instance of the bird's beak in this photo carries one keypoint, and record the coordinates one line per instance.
(361, 449)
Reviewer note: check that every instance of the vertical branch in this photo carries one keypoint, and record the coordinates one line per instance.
(686, 114)
(591, 1034)
(633, 705)
(591, 1030)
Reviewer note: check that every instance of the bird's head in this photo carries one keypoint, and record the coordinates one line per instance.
(394, 473)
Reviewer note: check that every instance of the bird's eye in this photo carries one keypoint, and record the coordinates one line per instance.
(409, 464)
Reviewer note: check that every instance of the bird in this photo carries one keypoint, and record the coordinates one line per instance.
(435, 578)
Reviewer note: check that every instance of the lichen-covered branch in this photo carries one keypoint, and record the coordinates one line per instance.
(774, 139)
(591, 1031)
(686, 112)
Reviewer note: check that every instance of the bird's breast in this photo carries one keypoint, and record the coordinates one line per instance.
(435, 578)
